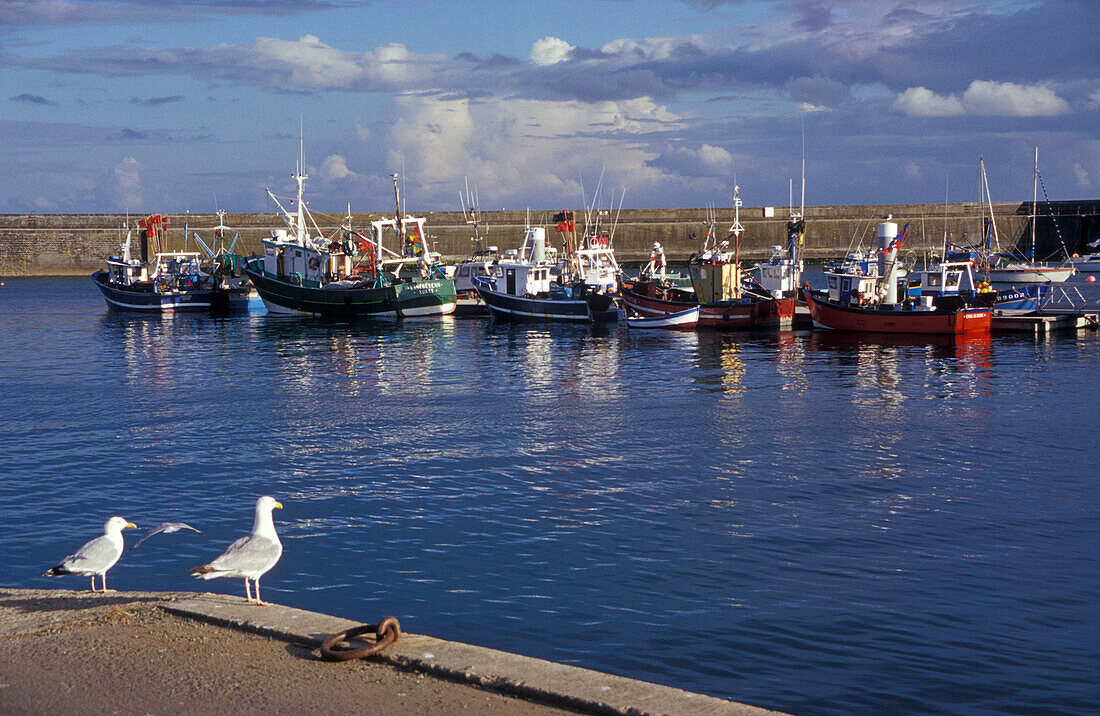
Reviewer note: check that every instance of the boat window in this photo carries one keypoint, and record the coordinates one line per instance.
(933, 280)
(832, 282)
(953, 279)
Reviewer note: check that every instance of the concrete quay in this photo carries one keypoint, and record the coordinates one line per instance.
(123, 646)
(71, 244)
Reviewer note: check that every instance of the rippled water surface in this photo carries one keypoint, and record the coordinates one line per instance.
(809, 522)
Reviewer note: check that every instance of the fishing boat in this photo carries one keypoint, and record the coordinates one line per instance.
(681, 321)
(349, 273)
(530, 285)
(727, 296)
(167, 281)
(781, 275)
(848, 305)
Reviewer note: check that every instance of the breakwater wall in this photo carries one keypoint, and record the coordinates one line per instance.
(76, 244)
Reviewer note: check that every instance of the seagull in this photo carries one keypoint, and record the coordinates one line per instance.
(165, 527)
(97, 556)
(249, 557)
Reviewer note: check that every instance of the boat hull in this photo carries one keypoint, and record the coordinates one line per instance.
(1029, 275)
(682, 321)
(755, 312)
(826, 314)
(748, 313)
(153, 300)
(434, 297)
(532, 309)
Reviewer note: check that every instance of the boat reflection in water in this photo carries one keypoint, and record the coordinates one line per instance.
(965, 355)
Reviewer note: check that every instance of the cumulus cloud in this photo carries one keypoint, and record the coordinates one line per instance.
(335, 168)
(518, 150)
(923, 102)
(983, 98)
(703, 161)
(550, 51)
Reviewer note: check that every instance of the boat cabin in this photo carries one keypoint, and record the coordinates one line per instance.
(780, 276)
(597, 268)
(522, 279)
(284, 257)
(526, 271)
(851, 287)
(126, 272)
(948, 278)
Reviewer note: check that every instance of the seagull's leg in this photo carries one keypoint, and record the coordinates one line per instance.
(258, 600)
(103, 578)
(248, 591)
(93, 584)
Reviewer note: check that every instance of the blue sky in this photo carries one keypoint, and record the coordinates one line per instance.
(176, 105)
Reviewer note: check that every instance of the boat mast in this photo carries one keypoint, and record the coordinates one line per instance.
(399, 224)
(989, 200)
(736, 230)
(1034, 199)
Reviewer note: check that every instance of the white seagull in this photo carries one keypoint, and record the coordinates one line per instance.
(249, 557)
(97, 556)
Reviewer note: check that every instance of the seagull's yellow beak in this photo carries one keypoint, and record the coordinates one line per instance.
(278, 505)
(131, 524)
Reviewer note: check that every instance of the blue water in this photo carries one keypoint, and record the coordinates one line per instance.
(809, 522)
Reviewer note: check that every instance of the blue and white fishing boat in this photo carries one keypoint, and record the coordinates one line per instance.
(530, 286)
(167, 282)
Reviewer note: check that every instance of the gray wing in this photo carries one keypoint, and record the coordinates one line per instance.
(165, 527)
(94, 557)
(248, 555)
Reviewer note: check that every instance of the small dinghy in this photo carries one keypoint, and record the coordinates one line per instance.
(682, 320)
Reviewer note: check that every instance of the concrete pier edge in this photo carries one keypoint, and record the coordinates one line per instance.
(523, 676)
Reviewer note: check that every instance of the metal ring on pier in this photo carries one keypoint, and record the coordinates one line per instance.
(387, 631)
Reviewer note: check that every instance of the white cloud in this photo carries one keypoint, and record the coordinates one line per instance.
(335, 168)
(923, 102)
(983, 98)
(550, 51)
(519, 151)
(1005, 99)
(1082, 176)
(308, 61)
(128, 183)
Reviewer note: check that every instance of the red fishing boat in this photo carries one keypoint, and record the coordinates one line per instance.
(847, 306)
(898, 318)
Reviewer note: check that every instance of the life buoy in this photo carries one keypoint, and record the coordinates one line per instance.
(314, 263)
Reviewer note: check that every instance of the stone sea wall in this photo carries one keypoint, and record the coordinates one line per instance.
(76, 244)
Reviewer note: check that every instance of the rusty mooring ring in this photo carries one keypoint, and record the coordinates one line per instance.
(387, 631)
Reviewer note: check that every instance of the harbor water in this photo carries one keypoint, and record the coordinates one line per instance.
(812, 522)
